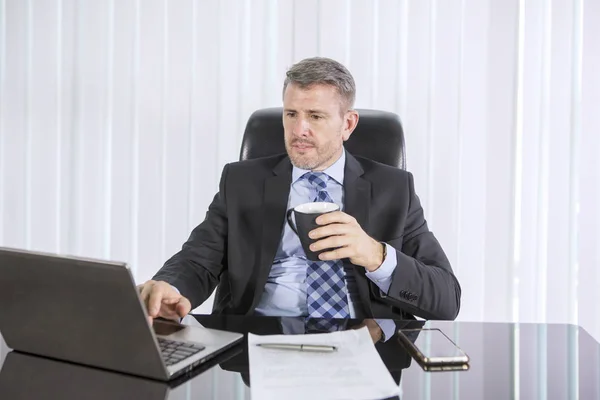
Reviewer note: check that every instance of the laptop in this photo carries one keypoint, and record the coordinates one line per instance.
(89, 312)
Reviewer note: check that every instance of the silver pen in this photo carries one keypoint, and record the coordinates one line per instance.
(317, 348)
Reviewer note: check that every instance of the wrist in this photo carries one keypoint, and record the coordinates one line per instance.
(379, 257)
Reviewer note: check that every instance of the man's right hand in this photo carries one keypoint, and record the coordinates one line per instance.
(162, 300)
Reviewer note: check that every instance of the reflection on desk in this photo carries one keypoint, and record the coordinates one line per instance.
(507, 361)
(392, 353)
(26, 376)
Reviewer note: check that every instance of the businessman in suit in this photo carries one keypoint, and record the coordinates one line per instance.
(382, 260)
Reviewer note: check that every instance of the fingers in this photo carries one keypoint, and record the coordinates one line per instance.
(169, 312)
(341, 236)
(335, 217)
(330, 230)
(155, 300)
(338, 237)
(161, 299)
(175, 309)
(145, 291)
(183, 307)
(374, 330)
(337, 254)
(332, 242)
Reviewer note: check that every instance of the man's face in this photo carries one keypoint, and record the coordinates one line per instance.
(316, 124)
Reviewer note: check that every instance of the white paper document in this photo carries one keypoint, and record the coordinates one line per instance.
(354, 371)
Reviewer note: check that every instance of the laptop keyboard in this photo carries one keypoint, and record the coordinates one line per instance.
(174, 352)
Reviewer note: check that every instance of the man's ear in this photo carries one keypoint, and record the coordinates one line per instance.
(350, 122)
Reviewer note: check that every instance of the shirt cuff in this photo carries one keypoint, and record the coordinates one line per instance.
(388, 327)
(382, 276)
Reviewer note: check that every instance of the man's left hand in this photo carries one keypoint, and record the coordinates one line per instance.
(374, 329)
(346, 238)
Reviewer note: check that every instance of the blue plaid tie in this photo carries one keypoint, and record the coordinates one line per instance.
(326, 293)
(318, 325)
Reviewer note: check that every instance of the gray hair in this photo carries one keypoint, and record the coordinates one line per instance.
(325, 71)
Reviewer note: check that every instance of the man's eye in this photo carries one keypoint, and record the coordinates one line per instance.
(315, 117)
(291, 114)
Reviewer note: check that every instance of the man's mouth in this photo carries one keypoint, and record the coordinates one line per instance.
(302, 146)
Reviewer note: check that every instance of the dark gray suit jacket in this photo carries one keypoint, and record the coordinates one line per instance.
(235, 246)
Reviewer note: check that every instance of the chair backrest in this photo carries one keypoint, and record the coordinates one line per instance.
(378, 136)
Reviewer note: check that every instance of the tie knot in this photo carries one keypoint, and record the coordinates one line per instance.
(317, 179)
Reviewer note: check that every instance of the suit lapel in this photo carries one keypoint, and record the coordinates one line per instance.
(276, 194)
(357, 191)
(357, 202)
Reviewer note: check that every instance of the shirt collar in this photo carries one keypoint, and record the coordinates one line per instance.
(335, 171)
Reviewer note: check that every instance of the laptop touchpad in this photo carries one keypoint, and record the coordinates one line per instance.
(164, 328)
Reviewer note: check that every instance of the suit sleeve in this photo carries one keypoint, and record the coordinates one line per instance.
(196, 269)
(423, 283)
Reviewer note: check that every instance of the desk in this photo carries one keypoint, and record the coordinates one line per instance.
(527, 361)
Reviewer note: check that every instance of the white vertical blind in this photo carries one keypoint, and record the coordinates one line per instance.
(116, 118)
(587, 113)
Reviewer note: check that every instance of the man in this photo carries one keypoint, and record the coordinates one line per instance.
(380, 251)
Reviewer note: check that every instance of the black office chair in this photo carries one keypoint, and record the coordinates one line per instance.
(378, 136)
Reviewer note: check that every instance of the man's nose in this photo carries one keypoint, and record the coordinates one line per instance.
(301, 126)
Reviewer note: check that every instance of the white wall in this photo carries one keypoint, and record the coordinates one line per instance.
(116, 118)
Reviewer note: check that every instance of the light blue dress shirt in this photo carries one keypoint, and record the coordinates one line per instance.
(285, 290)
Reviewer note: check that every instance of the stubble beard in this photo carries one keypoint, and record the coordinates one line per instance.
(309, 162)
